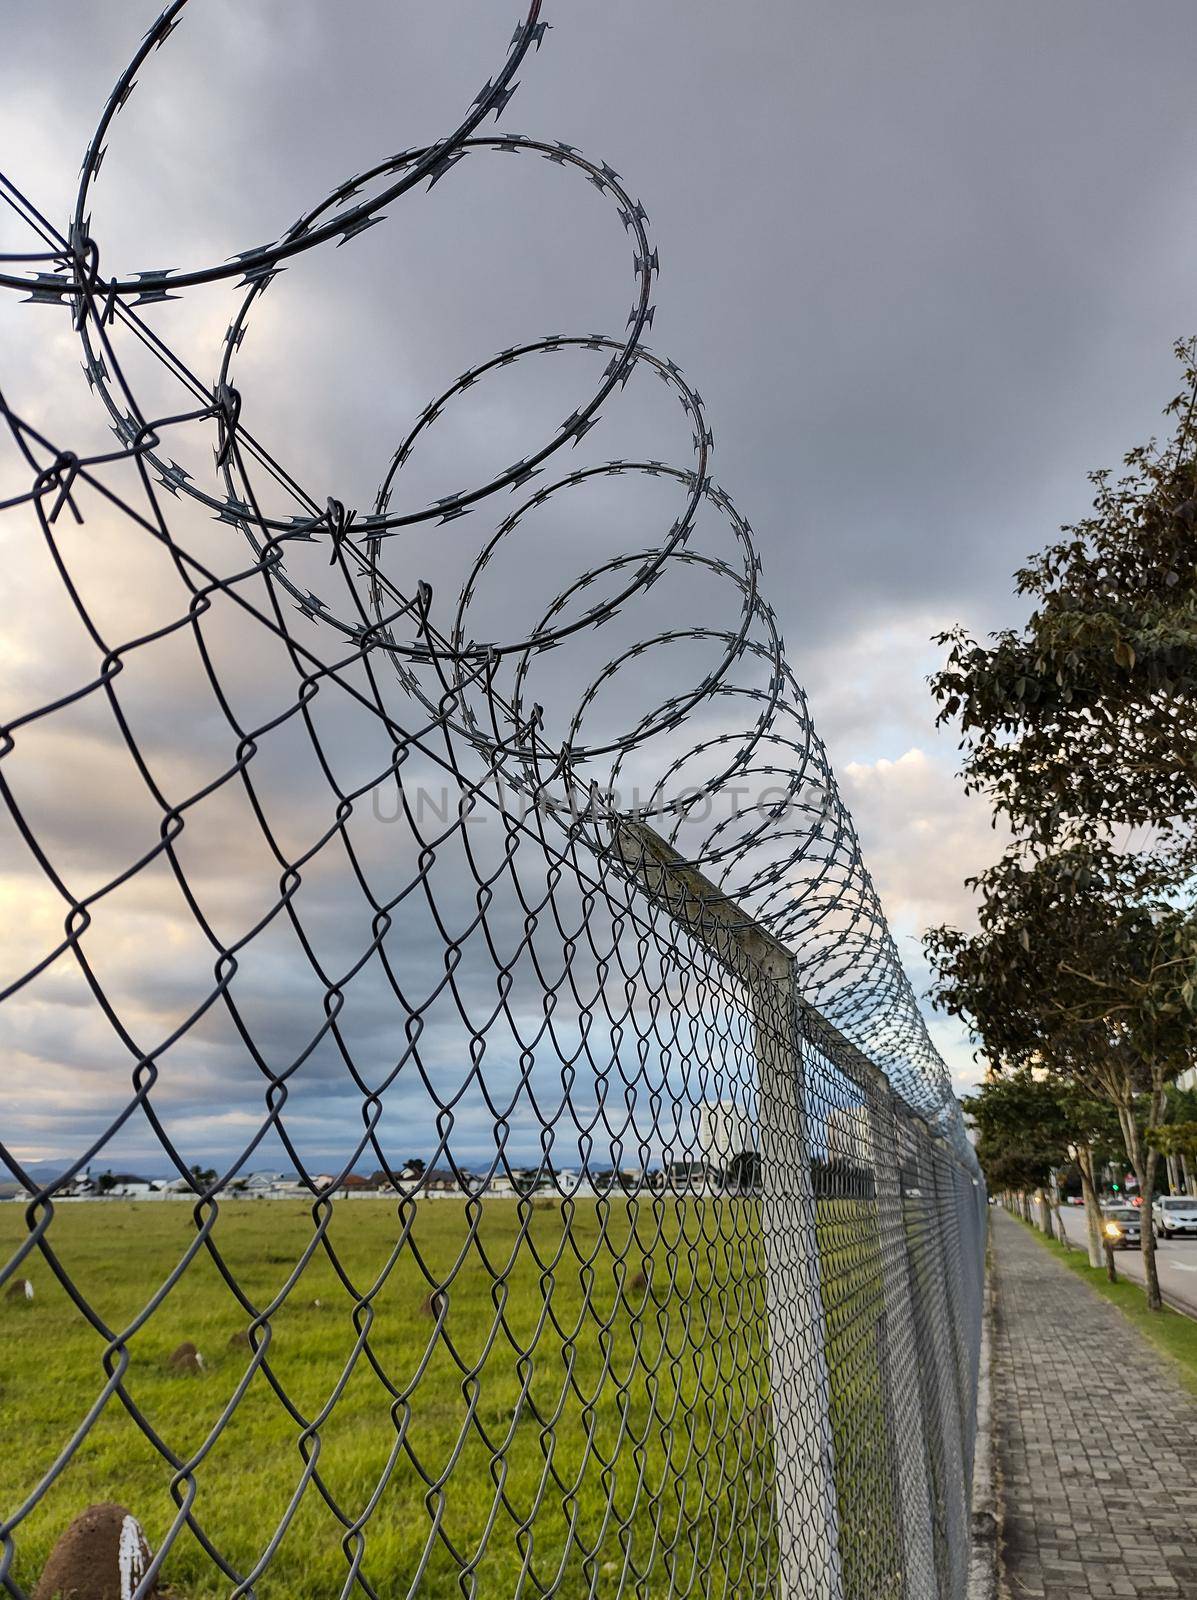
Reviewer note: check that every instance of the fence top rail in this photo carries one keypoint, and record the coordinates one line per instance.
(749, 950)
(707, 912)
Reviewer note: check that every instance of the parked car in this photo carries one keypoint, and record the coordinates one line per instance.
(1122, 1227)
(1173, 1214)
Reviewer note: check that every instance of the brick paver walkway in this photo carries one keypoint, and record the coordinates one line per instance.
(1097, 1439)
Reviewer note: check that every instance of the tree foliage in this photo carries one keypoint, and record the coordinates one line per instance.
(1079, 728)
(1086, 717)
(1074, 969)
(1023, 1130)
(1175, 1139)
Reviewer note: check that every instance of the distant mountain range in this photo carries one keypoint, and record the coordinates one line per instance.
(40, 1171)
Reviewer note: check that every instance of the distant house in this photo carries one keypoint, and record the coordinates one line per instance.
(405, 1177)
(575, 1185)
(260, 1182)
(80, 1187)
(351, 1183)
(439, 1180)
(530, 1180)
(692, 1173)
(621, 1178)
(129, 1186)
(261, 1186)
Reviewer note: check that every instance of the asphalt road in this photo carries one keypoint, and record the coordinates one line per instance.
(1176, 1262)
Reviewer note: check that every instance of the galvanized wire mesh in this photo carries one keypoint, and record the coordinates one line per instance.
(643, 1251)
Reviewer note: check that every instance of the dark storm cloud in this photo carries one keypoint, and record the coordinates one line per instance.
(925, 266)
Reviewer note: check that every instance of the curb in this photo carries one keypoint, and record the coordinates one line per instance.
(986, 1521)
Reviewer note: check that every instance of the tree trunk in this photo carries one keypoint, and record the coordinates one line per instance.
(1045, 1213)
(1187, 1170)
(1173, 1175)
(1144, 1162)
(1084, 1160)
(1155, 1301)
(1053, 1195)
(1026, 1208)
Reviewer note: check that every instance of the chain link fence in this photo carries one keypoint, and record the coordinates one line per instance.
(469, 1130)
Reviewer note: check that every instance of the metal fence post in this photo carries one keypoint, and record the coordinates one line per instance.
(942, 1353)
(807, 1518)
(898, 1348)
(900, 1354)
(805, 1502)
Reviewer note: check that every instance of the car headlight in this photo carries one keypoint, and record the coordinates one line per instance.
(1113, 1231)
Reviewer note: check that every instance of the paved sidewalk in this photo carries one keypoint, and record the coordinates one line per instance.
(1097, 1439)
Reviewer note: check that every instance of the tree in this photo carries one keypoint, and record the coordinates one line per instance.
(1076, 727)
(1029, 1125)
(1176, 1141)
(1075, 970)
(202, 1177)
(1086, 718)
(1096, 1139)
(1021, 1134)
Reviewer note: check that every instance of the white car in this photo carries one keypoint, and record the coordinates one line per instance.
(1174, 1214)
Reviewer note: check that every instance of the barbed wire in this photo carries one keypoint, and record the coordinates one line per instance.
(609, 1030)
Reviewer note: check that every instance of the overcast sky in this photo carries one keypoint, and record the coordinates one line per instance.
(925, 265)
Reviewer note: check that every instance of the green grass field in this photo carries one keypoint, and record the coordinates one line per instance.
(592, 1412)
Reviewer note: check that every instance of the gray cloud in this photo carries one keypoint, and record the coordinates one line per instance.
(924, 268)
